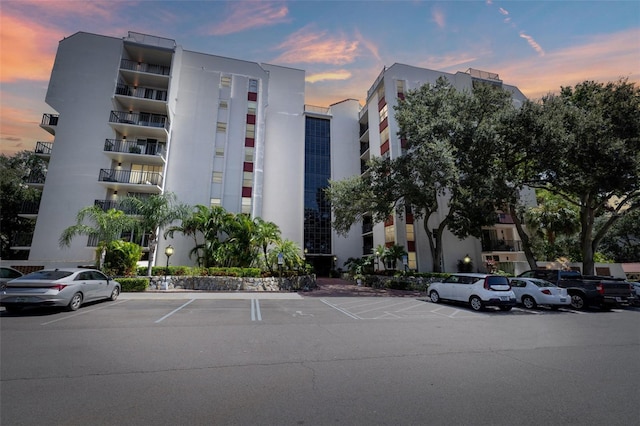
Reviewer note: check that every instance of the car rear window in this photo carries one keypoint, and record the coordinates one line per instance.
(497, 280)
(45, 275)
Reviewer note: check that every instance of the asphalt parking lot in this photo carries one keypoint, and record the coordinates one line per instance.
(201, 358)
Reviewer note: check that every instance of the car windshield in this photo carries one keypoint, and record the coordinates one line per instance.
(45, 275)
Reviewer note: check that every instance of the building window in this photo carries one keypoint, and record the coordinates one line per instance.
(251, 131)
(390, 234)
(221, 127)
(217, 177)
(246, 205)
(253, 86)
(248, 154)
(224, 104)
(216, 202)
(251, 107)
(400, 88)
(225, 81)
(247, 179)
(410, 235)
(219, 151)
(384, 113)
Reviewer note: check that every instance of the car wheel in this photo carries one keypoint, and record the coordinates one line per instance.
(115, 293)
(476, 303)
(577, 301)
(434, 296)
(75, 302)
(529, 302)
(506, 308)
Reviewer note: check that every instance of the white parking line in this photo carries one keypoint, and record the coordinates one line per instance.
(349, 314)
(82, 312)
(385, 306)
(174, 311)
(255, 310)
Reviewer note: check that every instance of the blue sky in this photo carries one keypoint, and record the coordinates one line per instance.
(538, 46)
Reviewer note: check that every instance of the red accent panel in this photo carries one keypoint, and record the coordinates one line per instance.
(252, 96)
(381, 103)
(400, 95)
(246, 191)
(384, 147)
(389, 221)
(409, 219)
(248, 167)
(411, 246)
(251, 119)
(249, 142)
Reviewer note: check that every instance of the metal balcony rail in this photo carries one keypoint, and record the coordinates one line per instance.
(36, 178)
(151, 40)
(43, 147)
(139, 119)
(130, 176)
(364, 147)
(134, 147)
(50, 119)
(501, 245)
(30, 207)
(141, 92)
(113, 204)
(142, 240)
(316, 109)
(126, 64)
(22, 239)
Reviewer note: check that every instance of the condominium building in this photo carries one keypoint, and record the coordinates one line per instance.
(139, 115)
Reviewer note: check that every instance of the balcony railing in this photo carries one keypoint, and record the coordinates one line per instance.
(139, 119)
(501, 245)
(130, 176)
(30, 207)
(126, 64)
(364, 147)
(37, 178)
(142, 240)
(141, 92)
(22, 239)
(113, 204)
(43, 148)
(134, 147)
(49, 120)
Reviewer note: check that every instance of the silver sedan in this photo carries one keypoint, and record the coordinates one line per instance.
(65, 287)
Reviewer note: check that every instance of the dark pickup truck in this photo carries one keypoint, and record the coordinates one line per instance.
(586, 290)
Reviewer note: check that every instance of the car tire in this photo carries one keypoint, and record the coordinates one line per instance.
(115, 293)
(75, 302)
(434, 297)
(578, 302)
(476, 303)
(529, 302)
(506, 308)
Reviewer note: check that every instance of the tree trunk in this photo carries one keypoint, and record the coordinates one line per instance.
(586, 244)
(436, 257)
(152, 250)
(524, 237)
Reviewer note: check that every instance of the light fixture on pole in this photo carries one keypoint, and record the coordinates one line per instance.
(405, 262)
(168, 252)
(466, 259)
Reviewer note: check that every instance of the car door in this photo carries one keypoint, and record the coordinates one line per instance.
(465, 288)
(86, 285)
(518, 287)
(101, 283)
(447, 289)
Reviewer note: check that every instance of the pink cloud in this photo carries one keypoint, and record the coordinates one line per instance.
(328, 76)
(306, 46)
(438, 17)
(535, 46)
(250, 14)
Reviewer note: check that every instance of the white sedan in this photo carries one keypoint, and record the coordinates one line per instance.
(532, 292)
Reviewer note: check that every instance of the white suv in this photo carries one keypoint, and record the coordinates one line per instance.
(479, 290)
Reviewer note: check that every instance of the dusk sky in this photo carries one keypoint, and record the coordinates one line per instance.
(538, 46)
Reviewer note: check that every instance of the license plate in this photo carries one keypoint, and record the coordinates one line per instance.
(21, 299)
(562, 299)
(504, 298)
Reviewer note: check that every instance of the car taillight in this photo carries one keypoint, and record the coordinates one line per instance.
(546, 291)
(59, 286)
(600, 288)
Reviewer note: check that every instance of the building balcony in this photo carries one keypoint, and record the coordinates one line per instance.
(21, 241)
(36, 180)
(135, 151)
(131, 180)
(29, 209)
(501, 245)
(145, 74)
(49, 122)
(113, 204)
(364, 148)
(43, 149)
(140, 98)
(140, 124)
(367, 228)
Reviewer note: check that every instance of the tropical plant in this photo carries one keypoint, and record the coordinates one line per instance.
(394, 254)
(153, 213)
(122, 258)
(107, 227)
(265, 234)
(291, 255)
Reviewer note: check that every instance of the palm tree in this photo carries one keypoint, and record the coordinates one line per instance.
(154, 212)
(265, 234)
(395, 253)
(291, 254)
(238, 249)
(108, 226)
(381, 252)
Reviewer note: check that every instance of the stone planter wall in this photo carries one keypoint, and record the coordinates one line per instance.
(301, 283)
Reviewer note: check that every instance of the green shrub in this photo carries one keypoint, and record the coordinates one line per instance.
(133, 284)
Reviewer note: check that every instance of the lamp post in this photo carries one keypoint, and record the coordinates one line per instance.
(405, 262)
(168, 252)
